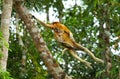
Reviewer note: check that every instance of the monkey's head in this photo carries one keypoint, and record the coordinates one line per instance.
(57, 24)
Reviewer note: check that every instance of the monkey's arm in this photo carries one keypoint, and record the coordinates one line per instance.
(42, 23)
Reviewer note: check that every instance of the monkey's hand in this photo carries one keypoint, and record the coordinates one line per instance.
(33, 16)
(88, 64)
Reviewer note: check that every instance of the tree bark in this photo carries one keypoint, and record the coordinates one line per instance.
(107, 42)
(53, 67)
(5, 22)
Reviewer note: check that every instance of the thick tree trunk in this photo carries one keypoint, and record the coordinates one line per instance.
(106, 46)
(5, 22)
(53, 67)
(107, 41)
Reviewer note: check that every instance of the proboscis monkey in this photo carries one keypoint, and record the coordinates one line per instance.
(63, 35)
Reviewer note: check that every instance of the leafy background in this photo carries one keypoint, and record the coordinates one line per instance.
(87, 21)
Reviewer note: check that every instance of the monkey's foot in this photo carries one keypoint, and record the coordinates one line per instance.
(88, 64)
(98, 60)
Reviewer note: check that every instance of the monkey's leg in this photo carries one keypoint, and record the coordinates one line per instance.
(81, 60)
(90, 53)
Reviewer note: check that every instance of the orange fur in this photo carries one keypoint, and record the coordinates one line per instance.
(64, 35)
